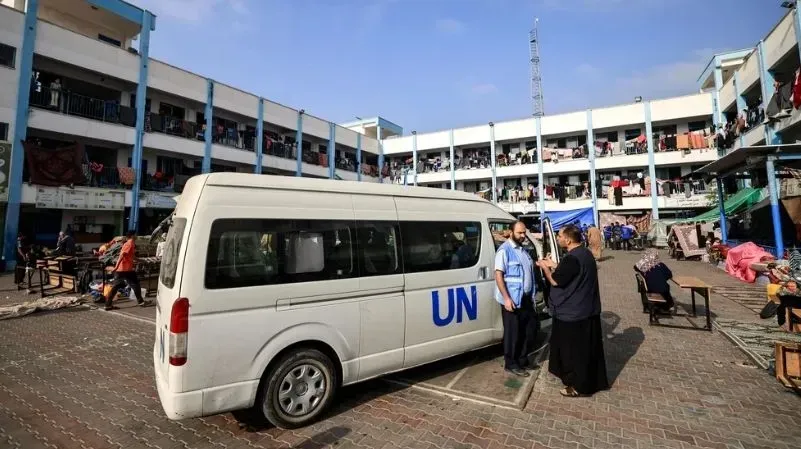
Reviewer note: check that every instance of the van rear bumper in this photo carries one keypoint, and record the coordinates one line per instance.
(179, 405)
(208, 401)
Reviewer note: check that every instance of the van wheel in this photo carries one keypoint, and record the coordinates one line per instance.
(299, 389)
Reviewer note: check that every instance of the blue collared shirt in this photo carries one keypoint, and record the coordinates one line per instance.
(525, 261)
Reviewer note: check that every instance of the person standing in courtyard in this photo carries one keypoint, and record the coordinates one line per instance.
(595, 242)
(577, 350)
(125, 272)
(514, 291)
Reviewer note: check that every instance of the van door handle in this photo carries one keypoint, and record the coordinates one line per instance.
(482, 273)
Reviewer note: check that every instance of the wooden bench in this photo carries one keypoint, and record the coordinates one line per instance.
(57, 275)
(788, 364)
(650, 301)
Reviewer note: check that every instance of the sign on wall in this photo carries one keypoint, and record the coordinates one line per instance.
(156, 200)
(680, 200)
(79, 199)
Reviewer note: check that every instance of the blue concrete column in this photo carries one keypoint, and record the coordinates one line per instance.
(139, 136)
(773, 190)
(359, 158)
(740, 101)
(493, 161)
(259, 135)
(453, 163)
(649, 136)
(724, 232)
(332, 152)
(766, 82)
(380, 153)
(591, 151)
(299, 145)
(540, 168)
(797, 28)
(17, 159)
(209, 116)
(414, 156)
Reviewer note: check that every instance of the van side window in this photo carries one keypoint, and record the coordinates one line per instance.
(436, 246)
(378, 248)
(247, 253)
(172, 250)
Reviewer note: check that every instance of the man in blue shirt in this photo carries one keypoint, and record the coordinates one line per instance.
(514, 291)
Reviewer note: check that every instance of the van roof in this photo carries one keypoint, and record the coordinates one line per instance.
(328, 185)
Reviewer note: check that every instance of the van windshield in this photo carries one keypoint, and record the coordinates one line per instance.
(172, 249)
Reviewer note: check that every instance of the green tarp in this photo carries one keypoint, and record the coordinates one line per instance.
(743, 199)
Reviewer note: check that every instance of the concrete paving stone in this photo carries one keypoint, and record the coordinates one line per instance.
(86, 377)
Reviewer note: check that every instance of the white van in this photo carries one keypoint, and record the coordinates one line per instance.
(275, 291)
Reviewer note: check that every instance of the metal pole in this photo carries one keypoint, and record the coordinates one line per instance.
(380, 153)
(540, 175)
(17, 157)
(414, 156)
(141, 96)
(299, 145)
(260, 136)
(492, 162)
(332, 157)
(722, 211)
(359, 158)
(773, 190)
(649, 136)
(209, 113)
(591, 149)
(453, 164)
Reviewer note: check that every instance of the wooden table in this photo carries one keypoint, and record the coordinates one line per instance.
(698, 286)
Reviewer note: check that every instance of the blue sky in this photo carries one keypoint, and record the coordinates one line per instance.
(436, 64)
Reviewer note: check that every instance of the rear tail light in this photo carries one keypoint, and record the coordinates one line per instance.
(179, 331)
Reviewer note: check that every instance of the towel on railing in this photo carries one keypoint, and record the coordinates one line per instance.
(127, 176)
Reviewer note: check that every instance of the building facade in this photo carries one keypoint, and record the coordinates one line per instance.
(100, 137)
(79, 89)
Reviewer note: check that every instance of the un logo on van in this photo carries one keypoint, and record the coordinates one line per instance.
(459, 305)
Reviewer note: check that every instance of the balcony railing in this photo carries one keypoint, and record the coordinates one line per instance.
(71, 103)
(175, 127)
(280, 149)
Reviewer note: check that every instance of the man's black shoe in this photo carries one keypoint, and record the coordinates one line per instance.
(517, 372)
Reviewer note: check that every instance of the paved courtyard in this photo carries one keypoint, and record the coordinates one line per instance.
(83, 378)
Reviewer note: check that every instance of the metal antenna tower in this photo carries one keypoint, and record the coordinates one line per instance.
(536, 76)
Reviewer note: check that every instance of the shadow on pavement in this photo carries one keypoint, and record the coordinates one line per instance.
(477, 376)
(619, 347)
(329, 438)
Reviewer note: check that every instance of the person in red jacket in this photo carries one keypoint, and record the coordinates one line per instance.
(125, 272)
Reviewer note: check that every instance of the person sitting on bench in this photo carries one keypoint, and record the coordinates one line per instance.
(656, 275)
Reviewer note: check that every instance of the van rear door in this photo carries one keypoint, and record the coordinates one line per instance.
(168, 293)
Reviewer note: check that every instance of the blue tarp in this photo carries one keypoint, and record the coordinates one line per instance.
(565, 217)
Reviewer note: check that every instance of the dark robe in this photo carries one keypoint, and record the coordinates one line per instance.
(577, 351)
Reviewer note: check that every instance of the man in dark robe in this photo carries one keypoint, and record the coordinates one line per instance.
(577, 351)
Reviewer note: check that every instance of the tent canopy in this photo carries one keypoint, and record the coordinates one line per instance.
(562, 218)
(743, 199)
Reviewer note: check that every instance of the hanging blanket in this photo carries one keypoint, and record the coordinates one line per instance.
(740, 258)
(60, 167)
(688, 240)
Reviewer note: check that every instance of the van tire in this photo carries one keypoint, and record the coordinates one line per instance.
(311, 369)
